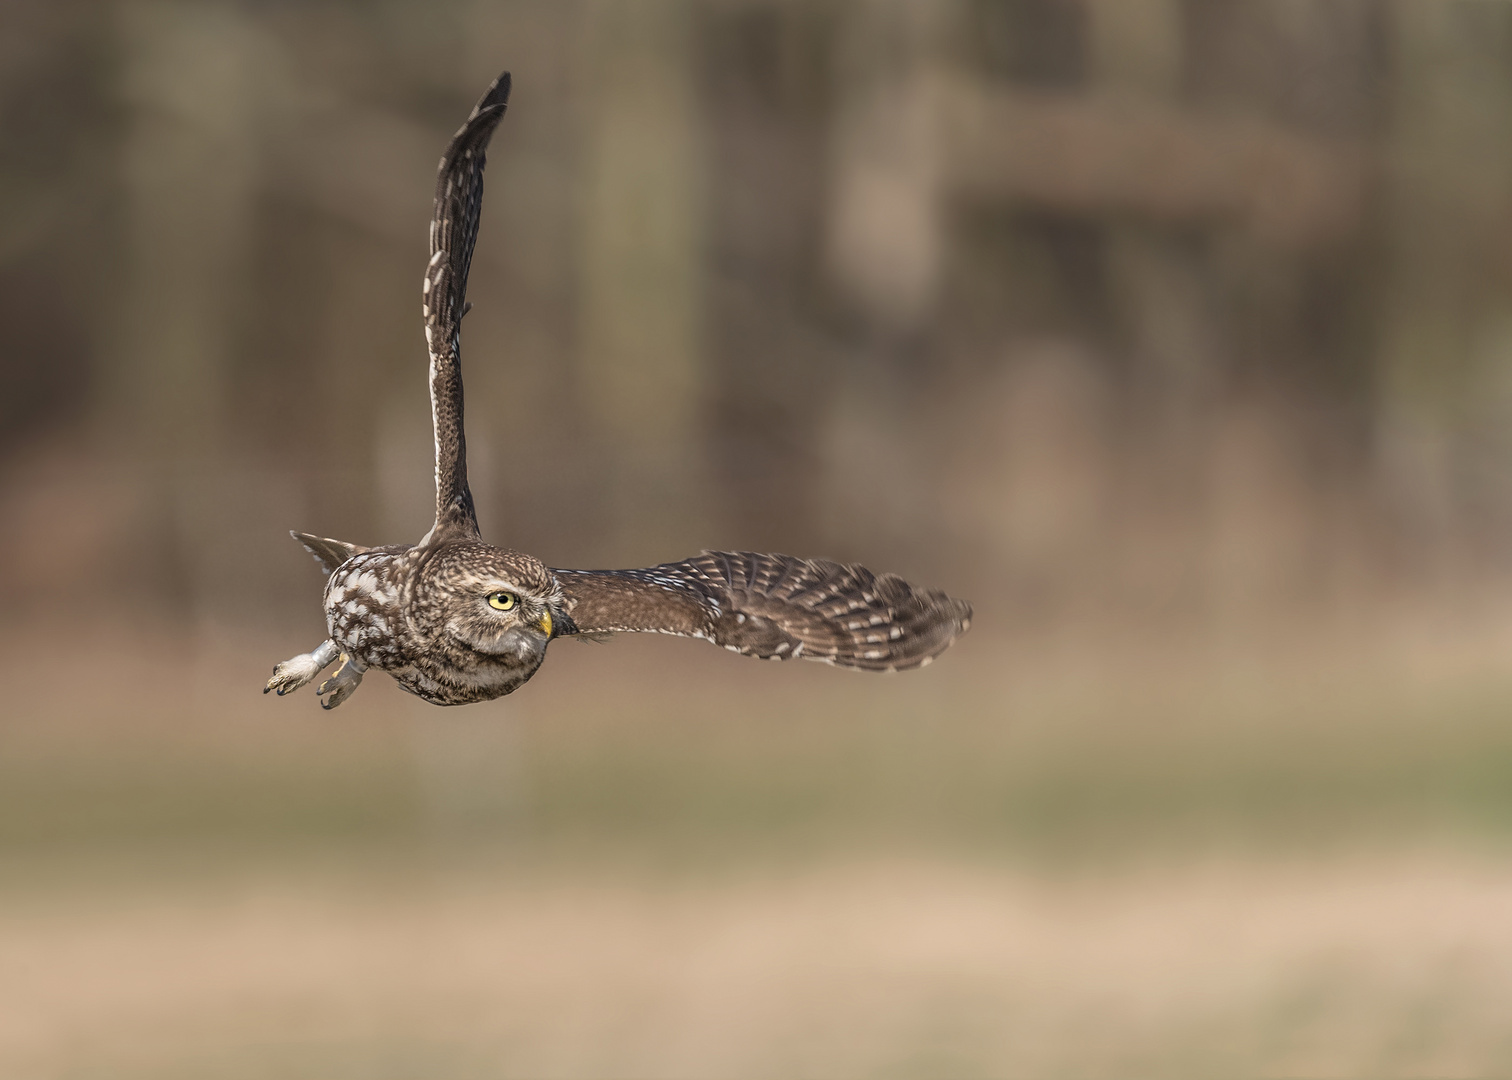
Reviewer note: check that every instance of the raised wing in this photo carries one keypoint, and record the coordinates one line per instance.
(454, 230)
(773, 606)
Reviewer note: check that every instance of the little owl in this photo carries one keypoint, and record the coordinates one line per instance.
(455, 620)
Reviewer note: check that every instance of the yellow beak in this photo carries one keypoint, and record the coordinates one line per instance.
(545, 623)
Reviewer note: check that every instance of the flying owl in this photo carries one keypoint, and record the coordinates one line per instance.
(455, 620)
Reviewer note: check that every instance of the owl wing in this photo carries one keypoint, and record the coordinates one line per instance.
(328, 553)
(454, 231)
(773, 606)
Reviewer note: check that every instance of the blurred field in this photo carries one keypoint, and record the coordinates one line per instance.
(657, 860)
(1388, 967)
(662, 752)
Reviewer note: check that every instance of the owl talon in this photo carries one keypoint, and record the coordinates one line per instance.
(299, 670)
(341, 685)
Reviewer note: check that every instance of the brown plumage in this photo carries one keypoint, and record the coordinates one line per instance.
(775, 607)
(455, 620)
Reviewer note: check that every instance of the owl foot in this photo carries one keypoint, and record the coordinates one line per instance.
(294, 673)
(340, 685)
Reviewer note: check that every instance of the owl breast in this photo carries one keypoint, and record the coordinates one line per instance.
(364, 608)
(468, 682)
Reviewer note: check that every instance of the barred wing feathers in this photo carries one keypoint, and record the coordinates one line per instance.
(454, 231)
(773, 606)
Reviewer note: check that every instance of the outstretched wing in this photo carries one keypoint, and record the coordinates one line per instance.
(773, 606)
(454, 230)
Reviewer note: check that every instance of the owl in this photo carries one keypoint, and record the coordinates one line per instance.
(454, 620)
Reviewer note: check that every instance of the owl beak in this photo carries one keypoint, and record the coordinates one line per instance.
(545, 623)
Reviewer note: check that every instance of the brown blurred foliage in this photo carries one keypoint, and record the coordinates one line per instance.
(1171, 307)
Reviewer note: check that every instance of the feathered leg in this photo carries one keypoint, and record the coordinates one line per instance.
(299, 670)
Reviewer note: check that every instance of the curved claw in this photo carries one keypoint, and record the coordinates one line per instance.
(341, 685)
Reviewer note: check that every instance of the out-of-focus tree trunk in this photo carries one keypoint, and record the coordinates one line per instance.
(1446, 329)
(768, 76)
(884, 236)
(640, 378)
(1135, 52)
(190, 168)
(1136, 46)
(884, 246)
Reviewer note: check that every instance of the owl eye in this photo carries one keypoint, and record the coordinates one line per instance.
(501, 601)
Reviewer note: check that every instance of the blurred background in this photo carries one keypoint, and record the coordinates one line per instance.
(1176, 335)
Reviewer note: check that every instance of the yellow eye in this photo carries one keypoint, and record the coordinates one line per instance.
(501, 601)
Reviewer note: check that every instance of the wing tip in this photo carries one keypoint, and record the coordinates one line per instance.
(327, 552)
(497, 93)
(939, 620)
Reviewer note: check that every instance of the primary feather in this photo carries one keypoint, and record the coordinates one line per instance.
(776, 607)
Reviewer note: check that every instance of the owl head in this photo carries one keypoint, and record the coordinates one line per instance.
(489, 600)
